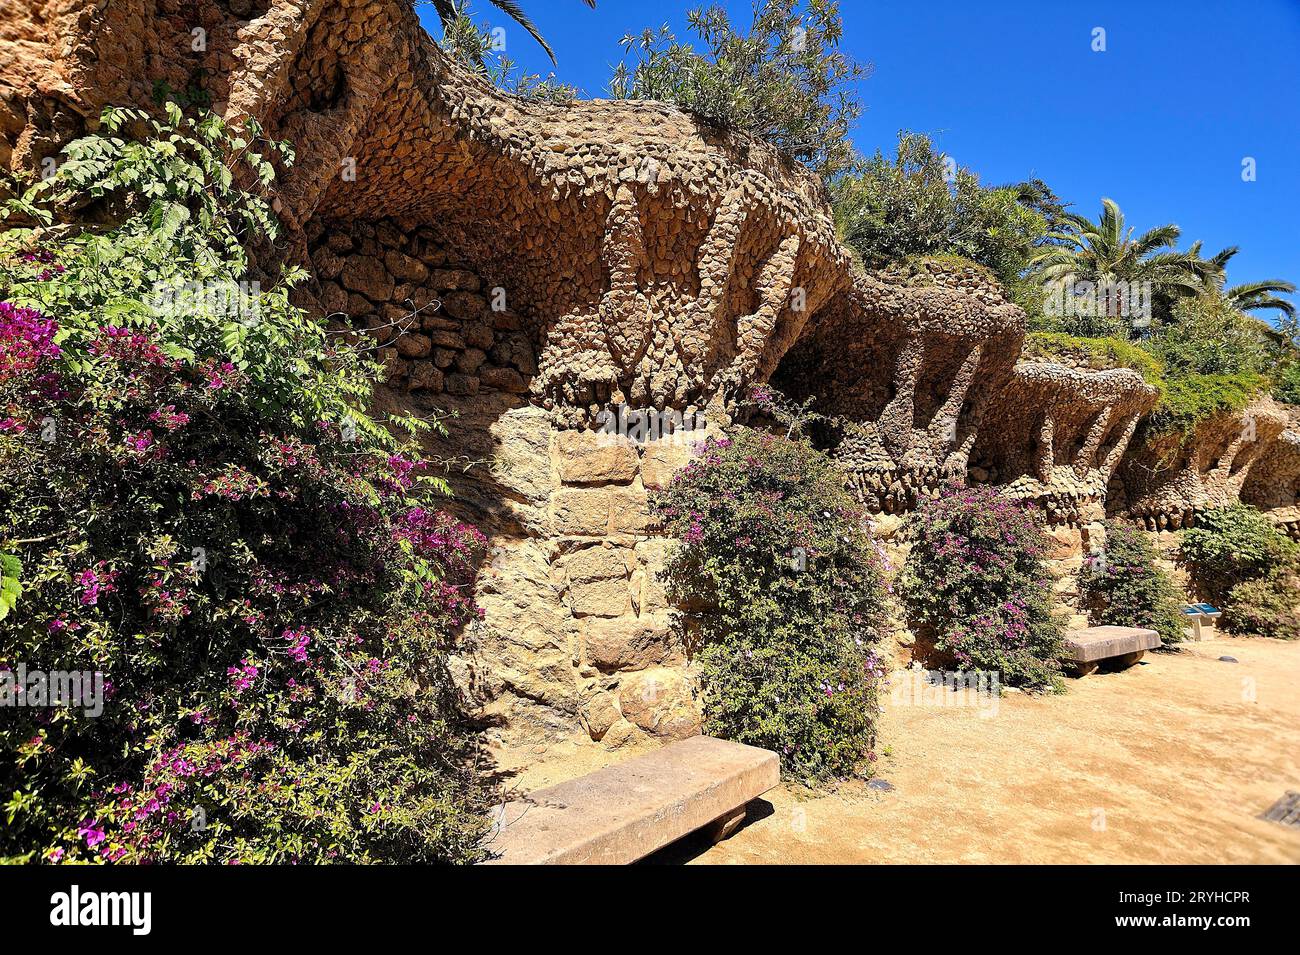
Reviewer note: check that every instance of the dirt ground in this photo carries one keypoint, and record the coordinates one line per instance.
(1171, 761)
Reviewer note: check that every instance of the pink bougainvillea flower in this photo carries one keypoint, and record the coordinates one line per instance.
(90, 831)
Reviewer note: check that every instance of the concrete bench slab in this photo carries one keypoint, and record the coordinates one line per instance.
(624, 812)
(1086, 649)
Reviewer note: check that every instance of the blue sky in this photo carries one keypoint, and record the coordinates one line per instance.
(1161, 121)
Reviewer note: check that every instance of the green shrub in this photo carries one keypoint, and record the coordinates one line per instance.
(1097, 353)
(1214, 359)
(786, 82)
(1286, 386)
(1190, 399)
(779, 580)
(975, 584)
(1124, 586)
(1232, 545)
(1206, 336)
(921, 204)
(194, 505)
(1268, 606)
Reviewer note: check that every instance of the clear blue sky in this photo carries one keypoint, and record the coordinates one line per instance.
(1160, 121)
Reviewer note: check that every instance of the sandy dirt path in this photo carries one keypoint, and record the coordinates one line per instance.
(1171, 761)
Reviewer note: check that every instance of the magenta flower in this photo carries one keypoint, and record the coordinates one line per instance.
(89, 831)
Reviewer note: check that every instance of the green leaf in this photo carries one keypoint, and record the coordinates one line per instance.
(10, 585)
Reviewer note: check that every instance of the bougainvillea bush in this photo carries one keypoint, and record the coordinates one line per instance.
(193, 505)
(1123, 586)
(975, 585)
(779, 581)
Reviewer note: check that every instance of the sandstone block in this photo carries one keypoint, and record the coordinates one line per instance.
(600, 598)
(582, 513)
(506, 320)
(600, 713)
(621, 733)
(479, 335)
(1063, 542)
(587, 457)
(446, 339)
(1101, 643)
(660, 701)
(327, 263)
(405, 268)
(387, 234)
(454, 280)
(662, 460)
(469, 360)
(461, 385)
(597, 563)
(521, 464)
(629, 512)
(413, 345)
(654, 553)
(359, 305)
(515, 350)
(466, 306)
(425, 375)
(332, 298)
(503, 379)
(628, 643)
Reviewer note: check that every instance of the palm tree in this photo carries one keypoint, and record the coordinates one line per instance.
(1249, 296)
(1106, 253)
(449, 11)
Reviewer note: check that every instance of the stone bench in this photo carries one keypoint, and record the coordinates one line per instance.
(624, 812)
(1118, 647)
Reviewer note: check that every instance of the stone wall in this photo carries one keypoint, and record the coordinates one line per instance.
(906, 363)
(1273, 482)
(431, 318)
(1055, 435)
(528, 266)
(577, 628)
(1171, 477)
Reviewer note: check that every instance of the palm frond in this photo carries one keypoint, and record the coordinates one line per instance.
(1161, 237)
(1262, 287)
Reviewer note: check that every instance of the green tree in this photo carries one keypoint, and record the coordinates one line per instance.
(1124, 585)
(1207, 336)
(786, 82)
(195, 503)
(976, 589)
(1232, 545)
(1107, 254)
(921, 203)
(780, 587)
